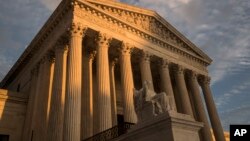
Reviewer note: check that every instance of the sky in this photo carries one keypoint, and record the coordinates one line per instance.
(221, 28)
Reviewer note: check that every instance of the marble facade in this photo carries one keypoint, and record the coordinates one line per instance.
(81, 68)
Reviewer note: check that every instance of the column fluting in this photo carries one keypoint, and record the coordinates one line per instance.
(44, 96)
(211, 108)
(72, 113)
(36, 120)
(87, 96)
(166, 82)
(55, 127)
(128, 83)
(145, 69)
(199, 107)
(29, 120)
(103, 83)
(113, 91)
(186, 107)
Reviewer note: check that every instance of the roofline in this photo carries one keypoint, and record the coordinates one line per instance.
(36, 41)
(160, 18)
(185, 39)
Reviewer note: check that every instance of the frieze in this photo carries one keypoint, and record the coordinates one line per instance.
(147, 23)
(91, 17)
(95, 16)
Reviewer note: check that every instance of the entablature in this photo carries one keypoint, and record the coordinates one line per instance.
(92, 16)
(152, 22)
(157, 36)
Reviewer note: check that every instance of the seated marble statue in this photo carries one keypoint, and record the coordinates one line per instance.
(159, 103)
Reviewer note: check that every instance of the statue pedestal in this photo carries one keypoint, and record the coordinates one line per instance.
(169, 126)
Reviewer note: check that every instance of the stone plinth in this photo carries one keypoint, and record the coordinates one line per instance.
(169, 126)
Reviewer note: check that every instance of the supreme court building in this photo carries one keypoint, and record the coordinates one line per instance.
(77, 77)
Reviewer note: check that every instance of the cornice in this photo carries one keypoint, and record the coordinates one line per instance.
(183, 41)
(37, 42)
(121, 5)
(94, 15)
(65, 6)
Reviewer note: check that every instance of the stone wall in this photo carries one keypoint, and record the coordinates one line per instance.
(12, 114)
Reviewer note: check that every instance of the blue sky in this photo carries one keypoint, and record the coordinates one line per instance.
(221, 28)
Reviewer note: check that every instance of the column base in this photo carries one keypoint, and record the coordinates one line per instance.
(170, 126)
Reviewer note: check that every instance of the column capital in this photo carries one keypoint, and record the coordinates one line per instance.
(77, 29)
(63, 40)
(164, 63)
(62, 44)
(126, 48)
(178, 69)
(62, 48)
(204, 79)
(192, 75)
(103, 39)
(145, 55)
(48, 57)
(92, 55)
(113, 62)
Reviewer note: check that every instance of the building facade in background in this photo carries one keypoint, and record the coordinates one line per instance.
(77, 77)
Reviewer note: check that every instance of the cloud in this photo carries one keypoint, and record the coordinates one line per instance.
(212, 25)
(5, 65)
(228, 57)
(232, 94)
(239, 115)
(9, 50)
(220, 28)
(19, 23)
(50, 4)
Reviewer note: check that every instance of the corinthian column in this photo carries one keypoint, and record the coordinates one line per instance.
(146, 74)
(127, 83)
(199, 107)
(44, 96)
(72, 119)
(113, 91)
(36, 117)
(103, 83)
(87, 97)
(211, 108)
(55, 127)
(166, 82)
(186, 107)
(29, 120)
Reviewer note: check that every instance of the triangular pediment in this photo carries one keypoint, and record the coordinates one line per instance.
(150, 22)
